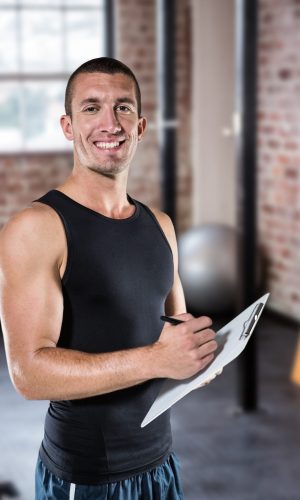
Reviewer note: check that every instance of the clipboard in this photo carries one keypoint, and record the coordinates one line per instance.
(232, 340)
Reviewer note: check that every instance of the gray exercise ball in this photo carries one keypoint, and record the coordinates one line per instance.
(208, 268)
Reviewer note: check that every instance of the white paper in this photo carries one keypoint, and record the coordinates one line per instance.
(231, 343)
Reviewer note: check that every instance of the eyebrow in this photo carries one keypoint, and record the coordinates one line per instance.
(126, 99)
(119, 100)
(89, 100)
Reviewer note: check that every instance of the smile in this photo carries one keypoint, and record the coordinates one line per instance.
(108, 145)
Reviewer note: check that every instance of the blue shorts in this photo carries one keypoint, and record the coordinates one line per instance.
(160, 483)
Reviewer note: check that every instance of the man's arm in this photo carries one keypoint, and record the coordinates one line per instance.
(175, 303)
(31, 309)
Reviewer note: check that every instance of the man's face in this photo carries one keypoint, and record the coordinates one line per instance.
(104, 127)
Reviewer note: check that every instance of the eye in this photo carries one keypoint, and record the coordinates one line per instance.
(90, 109)
(124, 109)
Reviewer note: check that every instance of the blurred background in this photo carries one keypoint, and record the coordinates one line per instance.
(220, 83)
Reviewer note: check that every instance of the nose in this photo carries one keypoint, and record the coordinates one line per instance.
(109, 121)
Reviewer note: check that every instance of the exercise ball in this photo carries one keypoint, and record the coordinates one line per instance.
(208, 268)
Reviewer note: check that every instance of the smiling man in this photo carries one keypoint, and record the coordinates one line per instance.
(86, 273)
(116, 98)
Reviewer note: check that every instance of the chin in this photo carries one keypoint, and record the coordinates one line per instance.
(107, 169)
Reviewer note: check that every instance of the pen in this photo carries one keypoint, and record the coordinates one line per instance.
(173, 321)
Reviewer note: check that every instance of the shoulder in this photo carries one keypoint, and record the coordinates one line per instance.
(165, 222)
(31, 222)
(32, 233)
(167, 227)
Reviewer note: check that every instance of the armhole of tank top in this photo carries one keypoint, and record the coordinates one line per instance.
(64, 277)
(158, 226)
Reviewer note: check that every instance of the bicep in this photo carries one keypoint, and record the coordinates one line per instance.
(175, 302)
(31, 303)
(31, 310)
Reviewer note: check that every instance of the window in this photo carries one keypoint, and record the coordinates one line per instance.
(42, 42)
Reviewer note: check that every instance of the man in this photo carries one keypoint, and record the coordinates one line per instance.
(86, 272)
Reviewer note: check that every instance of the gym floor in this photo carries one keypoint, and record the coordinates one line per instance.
(225, 454)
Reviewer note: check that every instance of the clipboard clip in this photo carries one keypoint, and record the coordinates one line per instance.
(251, 321)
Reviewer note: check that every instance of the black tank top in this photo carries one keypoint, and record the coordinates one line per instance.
(118, 275)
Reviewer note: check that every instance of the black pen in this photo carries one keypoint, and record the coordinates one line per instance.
(173, 321)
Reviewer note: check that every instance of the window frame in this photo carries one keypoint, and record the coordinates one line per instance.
(21, 76)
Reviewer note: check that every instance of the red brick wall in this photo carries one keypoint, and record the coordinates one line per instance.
(279, 150)
(24, 178)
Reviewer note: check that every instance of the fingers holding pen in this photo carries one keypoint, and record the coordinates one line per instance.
(195, 324)
(206, 352)
(186, 347)
(201, 332)
(200, 323)
(206, 338)
(206, 346)
(198, 329)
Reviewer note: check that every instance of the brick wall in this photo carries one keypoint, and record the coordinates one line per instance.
(279, 150)
(24, 178)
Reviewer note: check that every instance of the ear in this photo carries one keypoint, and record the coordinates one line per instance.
(141, 127)
(66, 125)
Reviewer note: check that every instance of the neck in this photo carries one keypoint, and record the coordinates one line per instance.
(102, 193)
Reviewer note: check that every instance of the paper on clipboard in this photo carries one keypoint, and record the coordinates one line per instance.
(232, 340)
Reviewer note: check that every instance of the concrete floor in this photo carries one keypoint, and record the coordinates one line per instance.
(225, 455)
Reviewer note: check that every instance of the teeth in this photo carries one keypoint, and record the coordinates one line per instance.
(107, 145)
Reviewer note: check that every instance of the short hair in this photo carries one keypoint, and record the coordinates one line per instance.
(101, 65)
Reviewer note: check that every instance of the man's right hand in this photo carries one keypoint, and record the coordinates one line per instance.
(185, 349)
